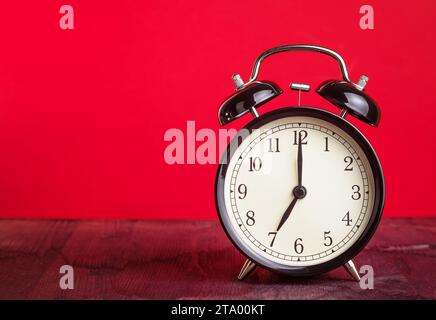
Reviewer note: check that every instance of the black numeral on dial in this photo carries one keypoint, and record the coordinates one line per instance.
(326, 144)
(327, 239)
(255, 164)
(298, 246)
(273, 234)
(273, 145)
(348, 160)
(242, 190)
(250, 218)
(356, 194)
(347, 219)
(298, 134)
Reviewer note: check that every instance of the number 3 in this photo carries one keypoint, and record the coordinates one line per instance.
(356, 195)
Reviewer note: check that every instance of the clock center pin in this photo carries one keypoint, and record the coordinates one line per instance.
(299, 192)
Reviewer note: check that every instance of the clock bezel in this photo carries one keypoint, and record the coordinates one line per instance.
(379, 190)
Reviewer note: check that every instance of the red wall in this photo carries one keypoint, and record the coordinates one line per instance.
(83, 112)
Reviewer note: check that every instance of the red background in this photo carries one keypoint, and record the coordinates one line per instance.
(83, 112)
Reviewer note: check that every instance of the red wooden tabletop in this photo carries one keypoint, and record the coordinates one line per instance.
(191, 259)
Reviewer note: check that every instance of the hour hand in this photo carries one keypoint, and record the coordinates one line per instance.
(287, 213)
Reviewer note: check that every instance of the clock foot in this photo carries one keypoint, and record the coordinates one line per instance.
(247, 268)
(352, 271)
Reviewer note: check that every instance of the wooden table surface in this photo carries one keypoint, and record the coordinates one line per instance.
(140, 259)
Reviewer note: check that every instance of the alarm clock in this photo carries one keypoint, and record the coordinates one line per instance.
(300, 190)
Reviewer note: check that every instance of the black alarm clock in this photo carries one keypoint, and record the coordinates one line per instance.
(300, 190)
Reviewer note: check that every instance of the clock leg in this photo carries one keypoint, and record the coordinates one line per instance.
(351, 269)
(247, 268)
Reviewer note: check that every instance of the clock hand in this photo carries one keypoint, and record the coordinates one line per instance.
(299, 191)
(300, 163)
(287, 213)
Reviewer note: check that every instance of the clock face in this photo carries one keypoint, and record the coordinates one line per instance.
(291, 217)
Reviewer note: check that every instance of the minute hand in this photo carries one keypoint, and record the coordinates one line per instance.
(300, 163)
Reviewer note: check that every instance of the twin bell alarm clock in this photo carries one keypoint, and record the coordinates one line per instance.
(301, 192)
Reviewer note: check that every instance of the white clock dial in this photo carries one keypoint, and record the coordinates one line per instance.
(262, 175)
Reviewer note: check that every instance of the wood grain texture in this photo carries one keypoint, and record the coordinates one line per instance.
(130, 259)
